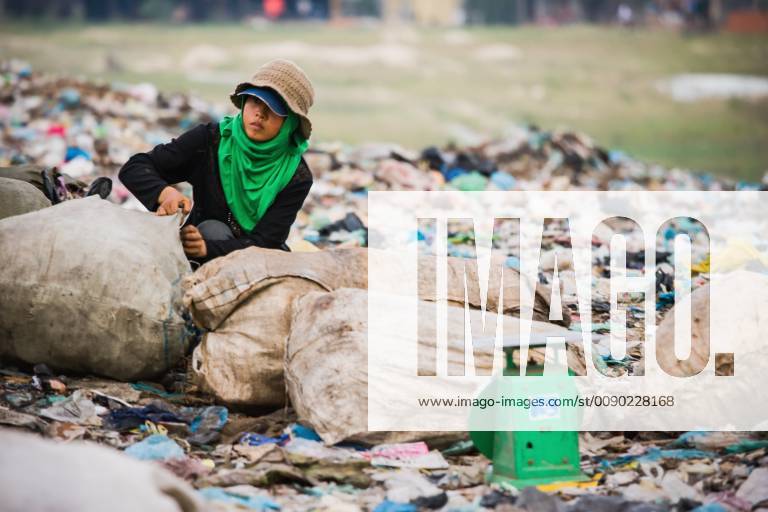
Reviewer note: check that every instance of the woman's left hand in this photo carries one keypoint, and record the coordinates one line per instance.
(193, 242)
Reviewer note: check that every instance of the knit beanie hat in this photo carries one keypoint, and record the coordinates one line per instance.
(290, 82)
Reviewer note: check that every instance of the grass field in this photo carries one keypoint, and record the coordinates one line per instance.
(419, 87)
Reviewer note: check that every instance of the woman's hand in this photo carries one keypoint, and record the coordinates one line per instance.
(170, 200)
(193, 242)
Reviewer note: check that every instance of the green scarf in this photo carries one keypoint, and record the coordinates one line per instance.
(253, 173)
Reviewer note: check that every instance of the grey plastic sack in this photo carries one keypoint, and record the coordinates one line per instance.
(91, 287)
(245, 299)
(742, 299)
(326, 362)
(18, 197)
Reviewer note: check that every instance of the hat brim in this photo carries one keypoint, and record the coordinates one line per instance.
(270, 98)
(305, 125)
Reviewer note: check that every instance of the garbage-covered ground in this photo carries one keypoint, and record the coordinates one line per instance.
(268, 460)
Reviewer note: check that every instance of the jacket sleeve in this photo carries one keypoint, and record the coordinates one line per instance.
(147, 174)
(272, 230)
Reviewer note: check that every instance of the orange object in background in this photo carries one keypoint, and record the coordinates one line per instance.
(747, 21)
(274, 8)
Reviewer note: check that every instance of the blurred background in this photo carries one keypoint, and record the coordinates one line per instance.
(679, 83)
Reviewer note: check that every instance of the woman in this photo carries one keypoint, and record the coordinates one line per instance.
(248, 176)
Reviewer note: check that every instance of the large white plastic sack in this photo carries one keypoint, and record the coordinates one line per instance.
(42, 475)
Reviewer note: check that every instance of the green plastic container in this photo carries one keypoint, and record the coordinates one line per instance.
(539, 456)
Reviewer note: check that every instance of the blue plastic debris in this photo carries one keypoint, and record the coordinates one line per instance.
(746, 186)
(710, 507)
(748, 445)
(304, 432)
(688, 225)
(616, 156)
(536, 139)
(655, 454)
(69, 98)
(688, 438)
(214, 417)
(156, 447)
(148, 388)
(252, 502)
(76, 152)
(187, 122)
(503, 180)
(391, 506)
(453, 173)
(207, 424)
(665, 299)
(512, 262)
(252, 439)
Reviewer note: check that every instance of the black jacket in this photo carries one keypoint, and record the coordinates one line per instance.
(193, 157)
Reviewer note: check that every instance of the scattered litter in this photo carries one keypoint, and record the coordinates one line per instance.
(409, 486)
(755, 489)
(207, 425)
(407, 455)
(156, 447)
(77, 408)
(231, 496)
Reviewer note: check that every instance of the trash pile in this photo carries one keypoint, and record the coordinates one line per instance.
(87, 129)
(206, 430)
(271, 462)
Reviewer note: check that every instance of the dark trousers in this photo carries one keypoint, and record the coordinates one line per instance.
(215, 230)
